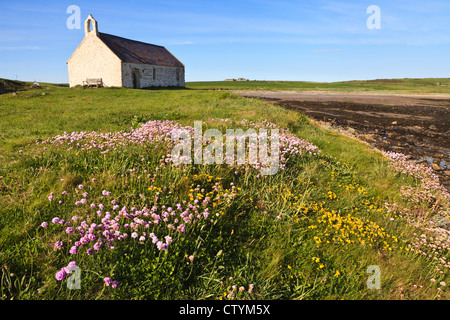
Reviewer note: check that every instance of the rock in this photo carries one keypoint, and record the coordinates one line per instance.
(14, 94)
(394, 122)
(432, 127)
(447, 172)
(436, 167)
(442, 222)
(351, 130)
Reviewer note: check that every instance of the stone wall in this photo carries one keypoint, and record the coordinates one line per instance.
(152, 75)
(93, 59)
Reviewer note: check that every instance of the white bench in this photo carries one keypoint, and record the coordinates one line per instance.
(93, 82)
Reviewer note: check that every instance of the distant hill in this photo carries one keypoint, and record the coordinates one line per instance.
(7, 85)
(12, 86)
(407, 85)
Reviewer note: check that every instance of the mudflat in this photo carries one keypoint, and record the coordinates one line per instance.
(415, 125)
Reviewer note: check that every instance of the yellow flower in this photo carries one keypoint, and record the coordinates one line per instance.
(337, 274)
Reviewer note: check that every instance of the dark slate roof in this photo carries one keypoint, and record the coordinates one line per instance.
(139, 52)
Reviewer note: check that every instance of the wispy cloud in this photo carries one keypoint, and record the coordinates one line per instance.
(327, 50)
(179, 43)
(19, 48)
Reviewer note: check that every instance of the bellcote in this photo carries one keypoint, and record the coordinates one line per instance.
(87, 26)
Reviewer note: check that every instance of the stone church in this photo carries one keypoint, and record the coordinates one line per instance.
(111, 61)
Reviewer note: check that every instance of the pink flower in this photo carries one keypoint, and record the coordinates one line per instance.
(442, 283)
(58, 244)
(73, 250)
(114, 284)
(107, 281)
(80, 186)
(69, 268)
(44, 224)
(69, 230)
(134, 235)
(61, 274)
(154, 238)
(142, 239)
(161, 245)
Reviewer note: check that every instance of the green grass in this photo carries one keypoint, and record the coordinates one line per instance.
(411, 86)
(294, 257)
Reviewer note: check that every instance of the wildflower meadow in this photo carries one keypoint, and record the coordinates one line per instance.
(97, 208)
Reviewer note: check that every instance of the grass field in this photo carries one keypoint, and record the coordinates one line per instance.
(411, 86)
(108, 199)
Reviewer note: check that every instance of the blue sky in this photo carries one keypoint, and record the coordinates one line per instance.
(256, 39)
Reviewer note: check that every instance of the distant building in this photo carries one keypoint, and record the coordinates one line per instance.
(107, 60)
(238, 79)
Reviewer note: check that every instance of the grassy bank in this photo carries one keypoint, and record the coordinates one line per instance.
(110, 199)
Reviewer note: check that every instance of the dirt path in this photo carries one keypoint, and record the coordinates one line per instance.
(416, 125)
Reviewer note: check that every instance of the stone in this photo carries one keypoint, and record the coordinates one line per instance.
(442, 221)
(121, 62)
(436, 167)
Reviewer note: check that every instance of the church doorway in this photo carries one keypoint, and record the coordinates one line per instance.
(135, 76)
